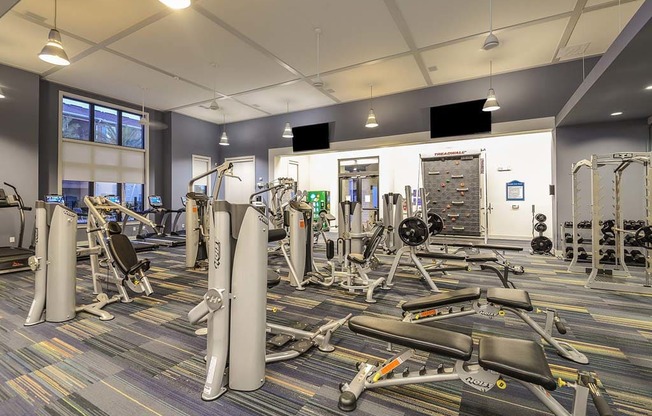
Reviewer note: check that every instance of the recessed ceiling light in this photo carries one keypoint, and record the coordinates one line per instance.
(617, 113)
(649, 87)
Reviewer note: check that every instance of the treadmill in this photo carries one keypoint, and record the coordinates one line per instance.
(14, 258)
(158, 236)
(175, 231)
(139, 246)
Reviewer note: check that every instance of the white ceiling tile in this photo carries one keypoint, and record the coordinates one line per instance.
(519, 49)
(94, 20)
(601, 27)
(437, 21)
(352, 31)
(186, 43)
(22, 41)
(233, 110)
(592, 3)
(387, 77)
(299, 95)
(107, 74)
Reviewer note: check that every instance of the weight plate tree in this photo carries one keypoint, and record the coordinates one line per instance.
(453, 182)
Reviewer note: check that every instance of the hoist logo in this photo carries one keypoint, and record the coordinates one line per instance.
(479, 383)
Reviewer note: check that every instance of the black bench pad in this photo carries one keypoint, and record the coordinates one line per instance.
(420, 337)
(481, 258)
(440, 256)
(487, 246)
(513, 298)
(440, 299)
(518, 358)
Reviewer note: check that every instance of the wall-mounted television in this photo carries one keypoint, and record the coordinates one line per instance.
(459, 119)
(312, 137)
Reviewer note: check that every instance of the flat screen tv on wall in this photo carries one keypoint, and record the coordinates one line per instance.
(312, 137)
(459, 119)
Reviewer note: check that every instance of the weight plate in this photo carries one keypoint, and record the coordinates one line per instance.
(643, 236)
(436, 223)
(540, 227)
(541, 245)
(413, 231)
(540, 217)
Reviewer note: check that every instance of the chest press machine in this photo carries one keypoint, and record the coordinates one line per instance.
(234, 307)
(521, 360)
(55, 261)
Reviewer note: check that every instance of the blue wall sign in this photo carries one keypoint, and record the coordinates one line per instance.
(515, 191)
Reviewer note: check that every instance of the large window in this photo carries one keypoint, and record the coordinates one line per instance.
(76, 120)
(73, 196)
(133, 196)
(82, 120)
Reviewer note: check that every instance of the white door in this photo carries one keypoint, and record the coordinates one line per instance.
(201, 164)
(238, 192)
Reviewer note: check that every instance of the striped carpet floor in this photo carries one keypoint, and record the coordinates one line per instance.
(148, 361)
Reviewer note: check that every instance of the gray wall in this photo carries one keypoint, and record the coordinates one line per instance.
(528, 94)
(189, 136)
(580, 142)
(19, 116)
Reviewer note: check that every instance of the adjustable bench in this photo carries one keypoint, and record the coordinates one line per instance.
(498, 301)
(474, 249)
(522, 360)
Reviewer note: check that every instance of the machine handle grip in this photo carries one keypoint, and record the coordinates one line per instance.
(26, 208)
(599, 401)
(198, 313)
(559, 325)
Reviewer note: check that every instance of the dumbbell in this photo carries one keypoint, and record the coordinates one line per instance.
(568, 224)
(638, 257)
(582, 254)
(609, 240)
(584, 224)
(628, 256)
(608, 256)
(629, 225)
(629, 240)
(569, 238)
(569, 252)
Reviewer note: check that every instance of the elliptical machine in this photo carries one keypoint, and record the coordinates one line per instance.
(234, 306)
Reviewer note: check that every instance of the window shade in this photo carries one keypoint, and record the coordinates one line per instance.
(82, 161)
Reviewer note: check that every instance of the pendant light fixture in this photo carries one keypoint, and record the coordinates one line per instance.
(144, 121)
(53, 52)
(371, 118)
(2, 93)
(492, 103)
(224, 140)
(176, 4)
(287, 133)
(491, 41)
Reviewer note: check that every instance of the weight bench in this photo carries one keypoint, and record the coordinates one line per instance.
(521, 360)
(474, 249)
(124, 256)
(498, 302)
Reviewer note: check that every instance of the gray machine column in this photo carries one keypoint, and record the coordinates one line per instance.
(248, 305)
(300, 239)
(62, 261)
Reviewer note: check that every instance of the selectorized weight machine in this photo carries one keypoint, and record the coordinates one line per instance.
(55, 261)
(234, 307)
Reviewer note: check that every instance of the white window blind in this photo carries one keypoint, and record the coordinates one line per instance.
(84, 161)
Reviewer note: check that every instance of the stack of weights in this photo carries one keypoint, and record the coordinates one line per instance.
(541, 244)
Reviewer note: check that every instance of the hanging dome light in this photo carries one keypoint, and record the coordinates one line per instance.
(492, 40)
(2, 93)
(492, 103)
(371, 118)
(224, 140)
(287, 132)
(53, 52)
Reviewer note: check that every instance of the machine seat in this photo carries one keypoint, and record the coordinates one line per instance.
(518, 358)
(481, 258)
(273, 278)
(440, 256)
(356, 258)
(125, 256)
(370, 248)
(420, 337)
(441, 299)
(513, 298)
(276, 235)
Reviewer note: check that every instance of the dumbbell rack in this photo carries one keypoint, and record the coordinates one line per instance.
(601, 275)
(587, 242)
